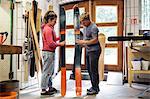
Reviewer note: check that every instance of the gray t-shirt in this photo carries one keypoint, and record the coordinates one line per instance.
(89, 33)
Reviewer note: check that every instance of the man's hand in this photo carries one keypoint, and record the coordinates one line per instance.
(81, 42)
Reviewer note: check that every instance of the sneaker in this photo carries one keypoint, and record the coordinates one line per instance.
(46, 93)
(90, 89)
(53, 90)
(72, 76)
(92, 92)
(98, 89)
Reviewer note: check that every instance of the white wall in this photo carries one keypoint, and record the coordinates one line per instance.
(132, 11)
(5, 26)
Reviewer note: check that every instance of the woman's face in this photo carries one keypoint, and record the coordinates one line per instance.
(53, 22)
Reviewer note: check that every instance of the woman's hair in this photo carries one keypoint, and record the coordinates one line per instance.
(49, 15)
(84, 16)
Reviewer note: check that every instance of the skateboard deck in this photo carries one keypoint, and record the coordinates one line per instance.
(101, 39)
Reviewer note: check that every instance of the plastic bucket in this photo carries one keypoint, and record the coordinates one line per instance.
(10, 86)
(145, 65)
(136, 65)
(8, 95)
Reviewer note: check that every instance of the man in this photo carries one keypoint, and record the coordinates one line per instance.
(93, 50)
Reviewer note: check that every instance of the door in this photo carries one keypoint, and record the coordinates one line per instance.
(108, 15)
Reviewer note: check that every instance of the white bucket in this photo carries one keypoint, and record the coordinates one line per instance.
(145, 64)
(136, 65)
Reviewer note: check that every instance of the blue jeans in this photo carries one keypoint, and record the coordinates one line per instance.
(48, 69)
(92, 67)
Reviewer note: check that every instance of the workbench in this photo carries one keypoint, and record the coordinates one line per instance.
(10, 49)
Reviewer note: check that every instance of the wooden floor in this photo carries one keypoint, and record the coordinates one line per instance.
(107, 91)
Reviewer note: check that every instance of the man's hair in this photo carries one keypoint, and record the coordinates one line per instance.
(50, 15)
(84, 16)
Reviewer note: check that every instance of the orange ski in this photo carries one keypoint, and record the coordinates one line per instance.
(78, 81)
(62, 51)
(78, 51)
(63, 81)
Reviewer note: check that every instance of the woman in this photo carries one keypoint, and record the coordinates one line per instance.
(48, 52)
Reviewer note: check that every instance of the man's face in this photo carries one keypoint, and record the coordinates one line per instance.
(85, 23)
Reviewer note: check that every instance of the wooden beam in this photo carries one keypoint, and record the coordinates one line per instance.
(10, 49)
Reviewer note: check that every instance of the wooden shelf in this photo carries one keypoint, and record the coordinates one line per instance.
(141, 71)
(137, 52)
(10, 49)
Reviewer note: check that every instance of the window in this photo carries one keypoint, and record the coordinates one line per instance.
(145, 14)
(70, 37)
(111, 54)
(106, 14)
(109, 31)
(69, 15)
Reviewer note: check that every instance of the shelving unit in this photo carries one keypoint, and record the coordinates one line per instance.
(137, 52)
(134, 51)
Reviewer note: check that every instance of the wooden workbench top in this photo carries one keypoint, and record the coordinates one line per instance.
(10, 49)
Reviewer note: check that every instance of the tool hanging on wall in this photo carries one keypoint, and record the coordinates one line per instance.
(26, 46)
(3, 37)
(11, 73)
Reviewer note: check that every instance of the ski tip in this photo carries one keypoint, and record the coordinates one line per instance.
(78, 94)
(78, 90)
(62, 8)
(63, 94)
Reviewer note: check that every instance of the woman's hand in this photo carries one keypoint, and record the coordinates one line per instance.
(62, 43)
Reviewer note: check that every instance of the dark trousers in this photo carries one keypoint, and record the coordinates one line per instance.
(92, 66)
